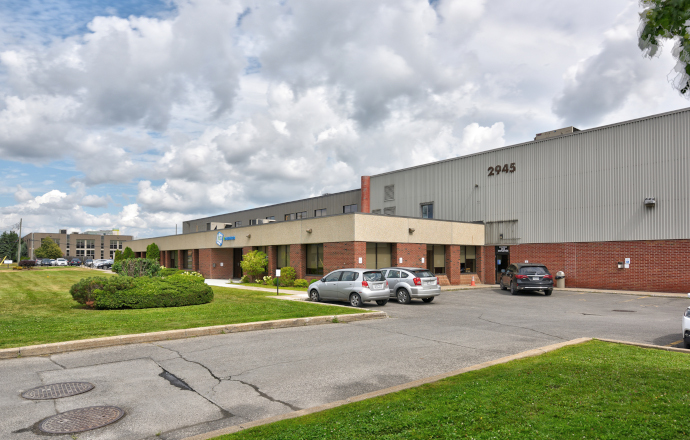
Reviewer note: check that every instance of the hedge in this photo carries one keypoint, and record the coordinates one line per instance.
(83, 291)
(287, 276)
(301, 283)
(137, 267)
(167, 271)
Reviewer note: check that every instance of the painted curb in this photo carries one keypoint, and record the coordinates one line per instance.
(111, 341)
(655, 347)
(394, 389)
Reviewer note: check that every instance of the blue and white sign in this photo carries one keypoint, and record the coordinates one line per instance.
(229, 238)
(219, 239)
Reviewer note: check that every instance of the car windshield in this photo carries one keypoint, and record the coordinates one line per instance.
(423, 274)
(534, 270)
(373, 276)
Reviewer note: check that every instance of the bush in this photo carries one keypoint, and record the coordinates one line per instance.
(118, 256)
(267, 280)
(128, 253)
(139, 267)
(152, 252)
(83, 292)
(117, 266)
(313, 281)
(287, 276)
(190, 273)
(167, 271)
(254, 263)
(173, 291)
(301, 283)
(27, 264)
(244, 279)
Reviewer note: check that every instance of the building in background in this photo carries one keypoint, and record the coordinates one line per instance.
(91, 244)
(609, 206)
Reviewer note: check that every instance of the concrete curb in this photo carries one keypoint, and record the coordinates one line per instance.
(655, 347)
(111, 341)
(624, 292)
(395, 389)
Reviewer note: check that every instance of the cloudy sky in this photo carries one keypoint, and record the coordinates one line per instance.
(140, 114)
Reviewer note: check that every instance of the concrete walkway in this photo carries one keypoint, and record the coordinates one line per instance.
(294, 295)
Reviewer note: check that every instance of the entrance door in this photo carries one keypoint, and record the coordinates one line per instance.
(236, 260)
(502, 260)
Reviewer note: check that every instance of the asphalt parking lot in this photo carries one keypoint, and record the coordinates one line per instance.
(174, 389)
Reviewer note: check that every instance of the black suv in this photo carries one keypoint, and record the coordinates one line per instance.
(527, 276)
(75, 262)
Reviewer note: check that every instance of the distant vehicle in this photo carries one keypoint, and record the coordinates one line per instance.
(52, 262)
(88, 262)
(75, 262)
(95, 262)
(103, 264)
(407, 283)
(527, 276)
(686, 327)
(60, 262)
(45, 262)
(353, 285)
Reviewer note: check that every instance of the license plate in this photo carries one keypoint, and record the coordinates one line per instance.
(429, 283)
(535, 278)
(377, 286)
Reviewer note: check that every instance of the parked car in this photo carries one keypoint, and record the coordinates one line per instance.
(406, 283)
(686, 327)
(103, 264)
(52, 262)
(527, 276)
(75, 262)
(60, 262)
(95, 262)
(354, 285)
(45, 262)
(88, 262)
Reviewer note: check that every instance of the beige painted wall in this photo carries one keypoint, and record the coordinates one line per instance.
(339, 228)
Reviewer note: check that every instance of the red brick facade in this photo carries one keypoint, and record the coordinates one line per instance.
(365, 192)
(344, 254)
(272, 254)
(298, 260)
(209, 257)
(411, 253)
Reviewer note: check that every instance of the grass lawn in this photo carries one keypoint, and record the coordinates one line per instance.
(37, 309)
(594, 390)
(300, 289)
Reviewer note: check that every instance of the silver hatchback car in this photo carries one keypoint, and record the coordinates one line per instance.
(412, 282)
(353, 285)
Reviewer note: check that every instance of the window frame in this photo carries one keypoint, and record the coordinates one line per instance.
(427, 205)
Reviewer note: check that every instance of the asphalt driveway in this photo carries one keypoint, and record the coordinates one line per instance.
(174, 389)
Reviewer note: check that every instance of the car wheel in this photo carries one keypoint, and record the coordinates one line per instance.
(355, 300)
(548, 292)
(513, 288)
(502, 286)
(403, 296)
(428, 300)
(382, 302)
(314, 296)
(687, 345)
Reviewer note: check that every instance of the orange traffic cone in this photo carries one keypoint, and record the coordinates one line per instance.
(472, 283)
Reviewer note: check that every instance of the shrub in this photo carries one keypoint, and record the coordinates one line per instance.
(268, 280)
(254, 263)
(152, 252)
(313, 281)
(287, 276)
(117, 266)
(173, 291)
(301, 283)
(118, 256)
(244, 279)
(83, 292)
(128, 253)
(167, 271)
(27, 264)
(139, 267)
(192, 274)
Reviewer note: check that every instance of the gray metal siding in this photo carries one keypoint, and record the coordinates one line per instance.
(587, 186)
(332, 202)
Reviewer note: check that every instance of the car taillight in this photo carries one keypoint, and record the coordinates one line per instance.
(437, 281)
(365, 284)
(521, 277)
(386, 283)
(548, 277)
(417, 281)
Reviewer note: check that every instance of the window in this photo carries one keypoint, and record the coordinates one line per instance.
(101, 254)
(80, 244)
(350, 276)
(115, 244)
(349, 208)
(273, 217)
(208, 226)
(238, 224)
(468, 259)
(90, 253)
(428, 210)
(252, 222)
(315, 259)
(332, 277)
(378, 255)
(436, 258)
(190, 260)
(389, 193)
(283, 256)
(393, 274)
(376, 211)
(80, 253)
(302, 214)
(289, 217)
(389, 210)
(320, 212)
(90, 244)
(534, 270)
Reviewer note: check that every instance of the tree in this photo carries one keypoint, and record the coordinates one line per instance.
(665, 20)
(8, 245)
(48, 249)
(128, 253)
(254, 263)
(152, 252)
(118, 256)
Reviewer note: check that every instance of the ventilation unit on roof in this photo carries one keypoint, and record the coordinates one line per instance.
(555, 133)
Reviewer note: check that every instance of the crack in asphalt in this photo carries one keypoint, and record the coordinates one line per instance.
(181, 384)
(517, 326)
(264, 395)
(50, 358)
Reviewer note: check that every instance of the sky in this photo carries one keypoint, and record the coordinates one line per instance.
(140, 114)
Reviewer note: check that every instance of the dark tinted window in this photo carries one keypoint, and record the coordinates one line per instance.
(393, 274)
(335, 276)
(373, 276)
(404, 274)
(534, 270)
(349, 276)
(423, 274)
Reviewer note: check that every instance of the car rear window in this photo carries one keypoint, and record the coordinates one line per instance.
(423, 274)
(373, 276)
(534, 270)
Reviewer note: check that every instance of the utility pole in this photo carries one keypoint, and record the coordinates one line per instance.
(19, 244)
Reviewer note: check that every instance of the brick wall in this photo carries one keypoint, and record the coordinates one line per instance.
(298, 260)
(195, 260)
(411, 253)
(365, 191)
(271, 252)
(486, 264)
(453, 271)
(207, 257)
(342, 255)
(655, 265)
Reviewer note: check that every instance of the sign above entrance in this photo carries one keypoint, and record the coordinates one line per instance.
(502, 250)
(219, 239)
(229, 238)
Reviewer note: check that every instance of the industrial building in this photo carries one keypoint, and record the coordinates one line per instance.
(608, 206)
(90, 244)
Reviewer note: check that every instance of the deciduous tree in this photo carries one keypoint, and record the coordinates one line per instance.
(48, 249)
(254, 263)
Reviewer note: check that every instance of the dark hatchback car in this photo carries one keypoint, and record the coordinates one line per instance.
(75, 262)
(527, 276)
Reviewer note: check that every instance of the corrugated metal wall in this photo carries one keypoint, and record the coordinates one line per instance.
(588, 186)
(333, 203)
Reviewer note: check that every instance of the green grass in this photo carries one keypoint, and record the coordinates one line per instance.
(37, 309)
(594, 390)
(299, 289)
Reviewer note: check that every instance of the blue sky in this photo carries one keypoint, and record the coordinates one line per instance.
(139, 115)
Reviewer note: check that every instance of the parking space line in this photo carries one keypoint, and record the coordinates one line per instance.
(674, 343)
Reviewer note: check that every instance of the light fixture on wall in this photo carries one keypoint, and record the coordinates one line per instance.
(650, 202)
(411, 230)
(309, 231)
(476, 185)
(500, 236)
(249, 236)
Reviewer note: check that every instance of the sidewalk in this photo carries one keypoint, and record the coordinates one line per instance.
(294, 295)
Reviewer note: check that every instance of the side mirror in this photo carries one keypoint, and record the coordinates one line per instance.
(322, 279)
(503, 271)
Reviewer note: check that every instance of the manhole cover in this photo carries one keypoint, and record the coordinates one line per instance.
(627, 311)
(57, 390)
(80, 420)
